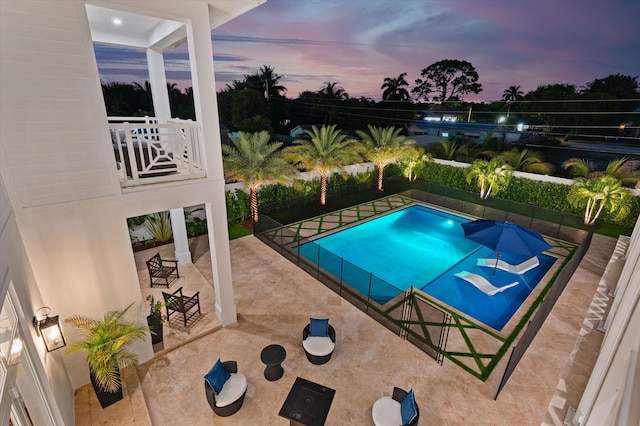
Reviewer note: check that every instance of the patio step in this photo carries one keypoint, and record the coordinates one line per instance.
(147, 383)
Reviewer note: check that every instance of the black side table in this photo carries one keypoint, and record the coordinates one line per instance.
(272, 356)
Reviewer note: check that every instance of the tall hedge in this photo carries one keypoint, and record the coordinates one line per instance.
(547, 195)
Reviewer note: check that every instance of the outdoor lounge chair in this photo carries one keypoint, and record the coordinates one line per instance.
(162, 269)
(482, 283)
(318, 341)
(232, 388)
(398, 409)
(521, 268)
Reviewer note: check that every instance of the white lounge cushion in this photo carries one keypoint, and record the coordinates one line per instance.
(386, 412)
(318, 346)
(232, 390)
(482, 284)
(521, 268)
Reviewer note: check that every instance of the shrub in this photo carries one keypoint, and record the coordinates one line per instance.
(159, 226)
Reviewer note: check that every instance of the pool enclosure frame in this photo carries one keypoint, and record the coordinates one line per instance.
(414, 315)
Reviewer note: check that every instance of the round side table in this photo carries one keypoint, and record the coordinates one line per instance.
(272, 356)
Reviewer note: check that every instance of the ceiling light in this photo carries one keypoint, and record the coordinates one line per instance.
(117, 21)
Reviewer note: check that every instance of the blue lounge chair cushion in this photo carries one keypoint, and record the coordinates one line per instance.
(408, 410)
(319, 327)
(217, 376)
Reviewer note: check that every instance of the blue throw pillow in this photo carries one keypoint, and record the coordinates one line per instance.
(408, 409)
(319, 327)
(217, 376)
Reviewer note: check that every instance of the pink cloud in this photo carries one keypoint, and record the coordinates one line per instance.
(359, 43)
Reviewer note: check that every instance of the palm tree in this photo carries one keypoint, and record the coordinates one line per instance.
(383, 147)
(596, 194)
(327, 149)
(623, 169)
(271, 80)
(491, 176)
(255, 161)
(145, 97)
(526, 161)
(413, 159)
(333, 91)
(450, 150)
(394, 88)
(330, 95)
(105, 342)
(512, 94)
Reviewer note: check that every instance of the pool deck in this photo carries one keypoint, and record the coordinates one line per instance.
(274, 300)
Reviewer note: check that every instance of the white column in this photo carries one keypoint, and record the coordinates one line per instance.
(180, 239)
(205, 102)
(158, 81)
(221, 266)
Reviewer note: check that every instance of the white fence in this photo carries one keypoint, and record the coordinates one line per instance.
(151, 152)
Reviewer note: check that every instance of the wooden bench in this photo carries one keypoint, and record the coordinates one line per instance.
(159, 269)
(176, 302)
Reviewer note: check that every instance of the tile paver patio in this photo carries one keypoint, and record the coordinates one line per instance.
(274, 300)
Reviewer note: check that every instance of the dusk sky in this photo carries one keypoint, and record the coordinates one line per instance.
(358, 43)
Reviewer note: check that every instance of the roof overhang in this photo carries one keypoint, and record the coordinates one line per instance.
(140, 24)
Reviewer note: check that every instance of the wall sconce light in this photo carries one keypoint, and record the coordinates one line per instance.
(49, 329)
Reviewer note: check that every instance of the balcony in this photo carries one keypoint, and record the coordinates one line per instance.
(161, 151)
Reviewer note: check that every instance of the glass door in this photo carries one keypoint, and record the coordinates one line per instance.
(22, 402)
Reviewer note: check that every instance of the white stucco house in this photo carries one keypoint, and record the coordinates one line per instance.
(63, 200)
(64, 241)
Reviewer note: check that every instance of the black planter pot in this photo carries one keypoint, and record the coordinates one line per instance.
(155, 325)
(106, 398)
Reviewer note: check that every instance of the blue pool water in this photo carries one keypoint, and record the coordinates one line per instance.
(422, 247)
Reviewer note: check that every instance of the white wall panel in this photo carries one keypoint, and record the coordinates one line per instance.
(53, 121)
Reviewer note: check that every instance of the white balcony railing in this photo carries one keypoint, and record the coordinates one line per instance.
(162, 152)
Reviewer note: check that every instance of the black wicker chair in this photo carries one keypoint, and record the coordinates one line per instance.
(386, 411)
(318, 357)
(235, 383)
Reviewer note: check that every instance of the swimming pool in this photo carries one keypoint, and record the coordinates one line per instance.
(422, 247)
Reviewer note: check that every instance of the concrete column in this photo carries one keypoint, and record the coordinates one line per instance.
(205, 102)
(221, 266)
(180, 239)
(158, 81)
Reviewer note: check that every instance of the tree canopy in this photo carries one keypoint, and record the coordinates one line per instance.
(449, 80)
(616, 85)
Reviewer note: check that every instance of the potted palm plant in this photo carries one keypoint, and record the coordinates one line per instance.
(155, 319)
(105, 342)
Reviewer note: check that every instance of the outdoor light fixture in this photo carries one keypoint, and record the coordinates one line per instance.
(49, 329)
